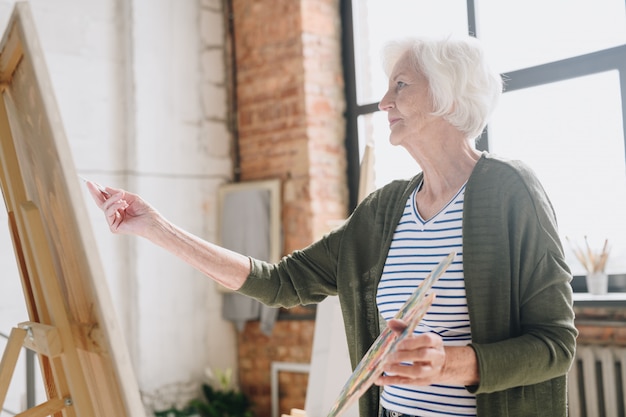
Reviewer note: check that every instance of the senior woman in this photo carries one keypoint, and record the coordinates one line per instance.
(500, 336)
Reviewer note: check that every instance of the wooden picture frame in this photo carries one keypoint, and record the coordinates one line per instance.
(249, 216)
(72, 324)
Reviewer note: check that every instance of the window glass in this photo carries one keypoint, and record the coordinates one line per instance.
(390, 162)
(571, 135)
(378, 22)
(522, 34)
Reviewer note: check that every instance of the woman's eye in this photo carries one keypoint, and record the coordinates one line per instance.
(400, 84)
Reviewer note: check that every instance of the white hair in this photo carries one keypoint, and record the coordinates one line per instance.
(463, 88)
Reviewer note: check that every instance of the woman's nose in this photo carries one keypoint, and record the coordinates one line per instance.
(385, 103)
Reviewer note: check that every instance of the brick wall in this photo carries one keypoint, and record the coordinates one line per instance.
(291, 341)
(289, 105)
(601, 325)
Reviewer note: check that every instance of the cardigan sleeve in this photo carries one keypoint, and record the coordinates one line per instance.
(544, 348)
(513, 257)
(303, 277)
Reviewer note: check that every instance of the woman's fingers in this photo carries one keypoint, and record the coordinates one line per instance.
(115, 211)
(96, 194)
(397, 325)
(417, 360)
(110, 202)
(107, 204)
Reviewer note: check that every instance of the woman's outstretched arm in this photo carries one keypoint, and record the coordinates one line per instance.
(128, 213)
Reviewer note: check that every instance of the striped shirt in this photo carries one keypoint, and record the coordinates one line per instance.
(417, 247)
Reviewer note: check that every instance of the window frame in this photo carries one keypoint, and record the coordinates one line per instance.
(579, 66)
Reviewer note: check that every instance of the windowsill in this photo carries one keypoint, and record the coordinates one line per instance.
(610, 299)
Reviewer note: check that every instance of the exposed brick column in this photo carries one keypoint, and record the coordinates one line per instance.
(290, 109)
(290, 124)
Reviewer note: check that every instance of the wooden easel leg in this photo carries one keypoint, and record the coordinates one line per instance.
(9, 360)
(46, 409)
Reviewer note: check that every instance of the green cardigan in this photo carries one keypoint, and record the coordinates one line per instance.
(517, 283)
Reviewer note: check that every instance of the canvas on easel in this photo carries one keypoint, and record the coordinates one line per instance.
(71, 325)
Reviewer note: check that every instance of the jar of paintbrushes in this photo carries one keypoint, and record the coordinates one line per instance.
(594, 262)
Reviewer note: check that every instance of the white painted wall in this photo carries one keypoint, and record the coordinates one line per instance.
(141, 88)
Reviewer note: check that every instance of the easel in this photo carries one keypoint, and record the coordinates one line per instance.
(72, 327)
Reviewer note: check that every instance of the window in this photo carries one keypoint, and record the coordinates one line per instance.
(562, 112)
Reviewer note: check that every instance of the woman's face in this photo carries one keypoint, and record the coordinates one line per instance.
(408, 104)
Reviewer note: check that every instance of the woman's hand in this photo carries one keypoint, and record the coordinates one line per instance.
(423, 360)
(417, 360)
(125, 213)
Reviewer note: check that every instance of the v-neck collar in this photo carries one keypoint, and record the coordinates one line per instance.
(415, 212)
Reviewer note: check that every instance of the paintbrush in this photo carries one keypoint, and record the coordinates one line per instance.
(592, 262)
